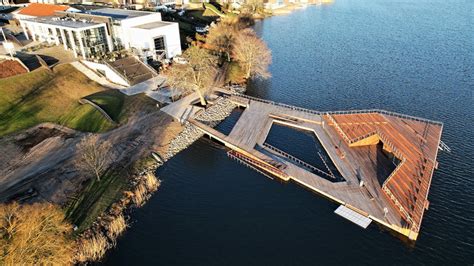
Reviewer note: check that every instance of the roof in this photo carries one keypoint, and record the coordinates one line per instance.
(153, 25)
(118, 14)
(41, 10)
(64, 22)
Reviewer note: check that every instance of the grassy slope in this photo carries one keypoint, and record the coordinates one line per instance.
(44, 96)
(99, 195)
(120, 106)
(213, 9)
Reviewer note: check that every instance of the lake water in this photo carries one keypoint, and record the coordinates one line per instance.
(413, 57)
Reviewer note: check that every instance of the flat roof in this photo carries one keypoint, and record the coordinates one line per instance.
(118, 14)
(153, 25)
(68, 23)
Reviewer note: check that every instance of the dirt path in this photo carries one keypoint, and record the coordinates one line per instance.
(46, 163)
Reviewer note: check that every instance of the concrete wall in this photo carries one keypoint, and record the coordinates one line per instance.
(110, 74)
(143, 39)
(126, 26)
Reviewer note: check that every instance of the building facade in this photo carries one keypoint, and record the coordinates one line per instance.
(93, 33)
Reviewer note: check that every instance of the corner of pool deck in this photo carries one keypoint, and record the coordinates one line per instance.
(352, 140)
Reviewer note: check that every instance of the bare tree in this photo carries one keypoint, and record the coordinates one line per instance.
(34, 235)
(197, 74)
(252, 54)
(95, 155)
(221, 38)
(253, 6)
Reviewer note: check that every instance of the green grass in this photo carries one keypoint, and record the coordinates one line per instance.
(96, 198)
(44, 96)
(213, 9)
(100, 195)
(120, 106)
(111, 101)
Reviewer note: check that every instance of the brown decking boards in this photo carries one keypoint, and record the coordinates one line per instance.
(403, 194)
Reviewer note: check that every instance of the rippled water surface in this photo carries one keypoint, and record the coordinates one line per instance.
(413, 57)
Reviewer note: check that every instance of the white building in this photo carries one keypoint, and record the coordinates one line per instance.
(143, 32)
(85, 38)
(95, 32)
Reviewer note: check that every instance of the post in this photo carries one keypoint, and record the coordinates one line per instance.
(33, 32)
(55, 34)
(81, 44)
(73, 43)
(63, 37)
(108, 36)
(22, 24)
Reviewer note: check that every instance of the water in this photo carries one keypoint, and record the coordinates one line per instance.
(413, 57)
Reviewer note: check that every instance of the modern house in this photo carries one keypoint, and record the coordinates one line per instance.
(94, 33)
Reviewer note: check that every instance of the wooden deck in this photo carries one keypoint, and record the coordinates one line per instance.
(351, 140)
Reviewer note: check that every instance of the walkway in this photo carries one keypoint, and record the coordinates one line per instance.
(355, 164)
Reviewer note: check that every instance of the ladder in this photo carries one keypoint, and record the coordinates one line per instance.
(444, 147)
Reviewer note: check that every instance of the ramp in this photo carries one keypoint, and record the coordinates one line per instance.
(353, 216)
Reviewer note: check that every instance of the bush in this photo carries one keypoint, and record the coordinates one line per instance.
(34, 235)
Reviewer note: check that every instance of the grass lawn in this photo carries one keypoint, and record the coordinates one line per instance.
(120, 106)
(96, 198)
(99, 195)
(43, 96)
(211, 10)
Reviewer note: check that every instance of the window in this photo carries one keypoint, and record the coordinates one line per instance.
(159, 44)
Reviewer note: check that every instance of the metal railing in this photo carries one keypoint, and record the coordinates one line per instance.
(255, 164)
(339, 129)
(284, 105)
(379, 111)
(248, 164)
(326, 165)
(294, 159)
(354, 140)
(444, 147)
(393, 172)
(400, 207)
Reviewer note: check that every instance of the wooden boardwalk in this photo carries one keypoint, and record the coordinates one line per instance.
(355, 142)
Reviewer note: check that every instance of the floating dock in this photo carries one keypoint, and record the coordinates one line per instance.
(393, 192)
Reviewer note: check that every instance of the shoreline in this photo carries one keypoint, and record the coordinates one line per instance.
(143, 184)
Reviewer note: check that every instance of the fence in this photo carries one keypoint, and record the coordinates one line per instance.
(379, 111)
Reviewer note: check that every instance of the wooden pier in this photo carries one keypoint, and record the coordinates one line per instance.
(353, 140)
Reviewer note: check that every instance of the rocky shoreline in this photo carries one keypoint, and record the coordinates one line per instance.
(211, 116)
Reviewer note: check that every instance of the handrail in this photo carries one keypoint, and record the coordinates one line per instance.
(291, 157)
(257, 163)
(371, 133)
(327, 166)
(400, 207)
(292, 107)
(379, 111)
(248, 164)
(394, 172)
(339, 129)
